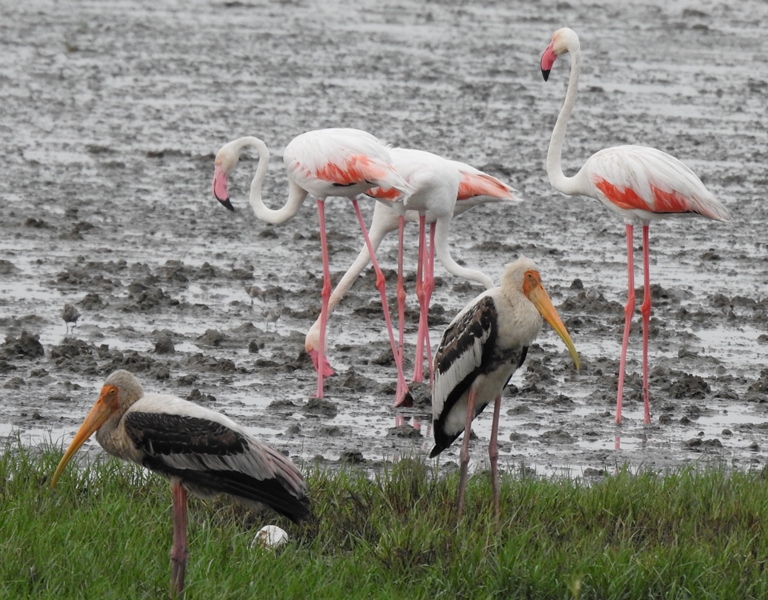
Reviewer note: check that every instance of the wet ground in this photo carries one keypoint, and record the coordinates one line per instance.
(112, 114)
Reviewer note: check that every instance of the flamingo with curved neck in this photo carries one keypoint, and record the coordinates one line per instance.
(638, 183)
(323, 163)
(475, 188)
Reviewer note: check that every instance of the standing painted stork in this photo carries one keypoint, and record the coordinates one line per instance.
(322, 163)
(475, 188)
(638, 183)
(197, 449)
(480, 350)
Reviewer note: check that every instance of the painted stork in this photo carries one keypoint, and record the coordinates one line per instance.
(197, 449)
(478, 353)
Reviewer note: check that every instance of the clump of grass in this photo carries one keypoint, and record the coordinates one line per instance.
(105, 531)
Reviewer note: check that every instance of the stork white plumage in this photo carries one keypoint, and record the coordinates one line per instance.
(475, 188)
(323, 163)
(480, 350)
(197, 449)
(638, 183)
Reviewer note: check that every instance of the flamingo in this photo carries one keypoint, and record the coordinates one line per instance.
(436, 184)
(325, 162)
(638, 183)
(197, 449)
(475, 188)
(480, 350)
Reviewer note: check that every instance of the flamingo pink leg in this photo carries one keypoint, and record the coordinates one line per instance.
(400, 286)
(418, 368)
(645, 310)
(402, 396)
(429, 287)
(493, 455)
(325, 295)
(629, 310)
(464, 454)
(179, 549)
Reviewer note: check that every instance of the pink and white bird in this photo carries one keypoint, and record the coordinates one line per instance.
(436, 184)
(475, 188)
(640, 184)
(480, 350)
(323, 163)
(197, 449)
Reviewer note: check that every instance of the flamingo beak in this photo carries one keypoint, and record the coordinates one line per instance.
(98, 414)
(220, 188)
(548, 59)
(541, 300)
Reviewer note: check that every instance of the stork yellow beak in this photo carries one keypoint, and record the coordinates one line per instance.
(99, 413)
(541, 300)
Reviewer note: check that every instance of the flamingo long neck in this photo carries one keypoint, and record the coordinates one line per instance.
(296, 195)
(559, 181)
(442, 227)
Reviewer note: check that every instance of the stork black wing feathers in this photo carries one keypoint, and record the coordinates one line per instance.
(164, 433)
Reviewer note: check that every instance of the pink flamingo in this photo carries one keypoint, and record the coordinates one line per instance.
(639, 183)
(475, 188)
(323, 163)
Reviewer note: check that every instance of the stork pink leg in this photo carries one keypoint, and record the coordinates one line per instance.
(402, 396)
(179, 550)
(418, 369)
(645, 310)
(400, 286)
(464, 455)
(493, 455)
(629, 310)
(325, 295)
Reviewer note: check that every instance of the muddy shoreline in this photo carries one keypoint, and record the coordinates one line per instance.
(109, 136)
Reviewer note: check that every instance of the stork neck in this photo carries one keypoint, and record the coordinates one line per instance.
(557, 178)
(263, 212)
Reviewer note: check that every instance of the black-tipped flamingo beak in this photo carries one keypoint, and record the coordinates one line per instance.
(548, 58)
(220, 188)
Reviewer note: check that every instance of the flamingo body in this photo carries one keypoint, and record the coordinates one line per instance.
(639, 183)
(323, 163)
(474, 188)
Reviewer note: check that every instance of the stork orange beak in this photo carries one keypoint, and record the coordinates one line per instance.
(541, 300)
(99, 413)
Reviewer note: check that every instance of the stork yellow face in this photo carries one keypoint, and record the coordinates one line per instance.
(535, 292)
(105, 406)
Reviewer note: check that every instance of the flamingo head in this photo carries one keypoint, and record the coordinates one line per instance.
(226, 161)
(563, 40)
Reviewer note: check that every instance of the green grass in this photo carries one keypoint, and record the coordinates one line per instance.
(105, 532)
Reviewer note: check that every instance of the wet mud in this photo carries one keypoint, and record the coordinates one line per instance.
(113, 114)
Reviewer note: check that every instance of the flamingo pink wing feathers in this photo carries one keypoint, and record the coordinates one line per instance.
(336, 158)
(642, 178)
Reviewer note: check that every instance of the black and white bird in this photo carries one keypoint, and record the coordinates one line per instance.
(479, 351)
(197, 449)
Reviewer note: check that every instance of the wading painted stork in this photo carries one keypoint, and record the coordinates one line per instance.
(480, 350)
(197, 449)
(475, 188)
(322, 163)
(638, 183)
